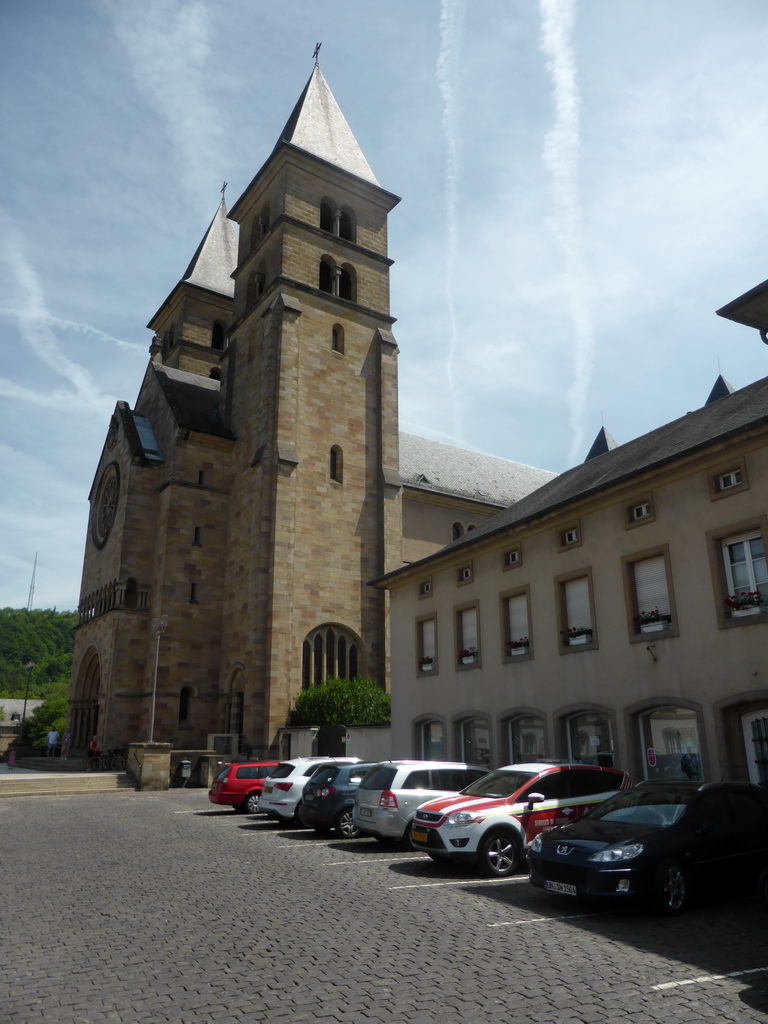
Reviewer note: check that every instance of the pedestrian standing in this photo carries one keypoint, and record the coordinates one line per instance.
(53, 739)
(11, 759)
(66, 743)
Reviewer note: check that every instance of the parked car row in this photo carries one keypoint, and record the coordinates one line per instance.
(586, 832)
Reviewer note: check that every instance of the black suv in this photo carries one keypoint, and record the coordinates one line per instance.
(329, 797)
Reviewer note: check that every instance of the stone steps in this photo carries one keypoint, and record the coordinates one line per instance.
(65, 784)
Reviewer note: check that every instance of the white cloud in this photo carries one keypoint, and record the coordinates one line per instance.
(169, 48)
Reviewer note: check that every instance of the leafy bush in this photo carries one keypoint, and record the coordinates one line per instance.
(52, 714)
(342, 702)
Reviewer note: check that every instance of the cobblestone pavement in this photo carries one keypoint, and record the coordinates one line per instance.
(146, 908)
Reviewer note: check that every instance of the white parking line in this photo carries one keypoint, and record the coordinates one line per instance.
(367, 861)
(539, 920)
(463, 881)
(704, 978)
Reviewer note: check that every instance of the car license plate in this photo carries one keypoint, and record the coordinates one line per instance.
(268, 789)
(420, 837)
(563, 887)
(366, 812)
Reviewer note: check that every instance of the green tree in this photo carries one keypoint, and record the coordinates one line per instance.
(52, 714)
(342, 702)
(42, 638)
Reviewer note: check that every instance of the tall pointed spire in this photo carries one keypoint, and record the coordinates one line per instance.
(318, 126)
(721, 389)
(216, 257)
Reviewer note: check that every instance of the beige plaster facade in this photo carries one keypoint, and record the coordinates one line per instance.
(665, 519)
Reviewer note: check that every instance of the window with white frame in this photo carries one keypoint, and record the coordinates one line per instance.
(577, 609)
(427, 646)
(652, 606)
(745, 572)
(517, 641)
(467, 635)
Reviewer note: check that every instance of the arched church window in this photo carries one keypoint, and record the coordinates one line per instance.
(217, 336)
(348, 283)
(184, 701)
(327, 281)
(336, 464)
(457, 530)
(346, 224)
(329, 651)
(326, 215)
(131, 599)
(337, 338)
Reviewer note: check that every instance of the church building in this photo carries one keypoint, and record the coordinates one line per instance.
(241, 506)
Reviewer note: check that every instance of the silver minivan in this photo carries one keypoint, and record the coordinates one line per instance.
(390, 792)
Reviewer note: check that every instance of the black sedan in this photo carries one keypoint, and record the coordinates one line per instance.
(329, 797)
(658, 842)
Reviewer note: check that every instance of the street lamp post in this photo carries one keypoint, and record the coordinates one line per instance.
(29, 666)
(158, 628)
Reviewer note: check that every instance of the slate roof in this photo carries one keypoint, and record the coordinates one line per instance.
(318, 126)
(216, 257)
(433, 466)
(194, 400)
(716, 422)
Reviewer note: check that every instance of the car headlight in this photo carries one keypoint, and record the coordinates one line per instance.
(462, 818)
(613, 854)
(535, 846)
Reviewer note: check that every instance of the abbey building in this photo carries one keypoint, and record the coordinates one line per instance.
(241, 506)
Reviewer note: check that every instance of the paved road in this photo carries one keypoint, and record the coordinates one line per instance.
(146, 908)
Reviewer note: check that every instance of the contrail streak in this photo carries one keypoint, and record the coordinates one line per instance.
(561, 158)
(451, 23)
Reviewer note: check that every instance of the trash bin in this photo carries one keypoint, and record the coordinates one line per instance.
(185, 769)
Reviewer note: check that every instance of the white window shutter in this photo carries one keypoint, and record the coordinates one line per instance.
(428, 638)
(517, 610)
(651, 585)
(469, 628)
(577, 609)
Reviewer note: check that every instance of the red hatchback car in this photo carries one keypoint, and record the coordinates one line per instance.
(240, 785)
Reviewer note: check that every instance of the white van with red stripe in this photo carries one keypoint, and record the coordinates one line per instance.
(492, 821)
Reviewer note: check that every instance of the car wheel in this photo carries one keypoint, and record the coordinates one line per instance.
(499, 854)
(345, 825)
(297, 815)
(670, 889)
(251, 803)
(406, 840)
(762, 889)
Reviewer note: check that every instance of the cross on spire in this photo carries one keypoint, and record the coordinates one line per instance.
(316, 54)
(223, 189)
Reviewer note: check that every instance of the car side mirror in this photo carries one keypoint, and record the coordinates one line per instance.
(535, 798)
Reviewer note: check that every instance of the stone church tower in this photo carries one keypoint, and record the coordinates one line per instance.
(255, 488)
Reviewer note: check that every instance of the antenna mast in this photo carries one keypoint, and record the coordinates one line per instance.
(32, 586)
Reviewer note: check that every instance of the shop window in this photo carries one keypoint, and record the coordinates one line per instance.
(590, 739)
(431, 740)
(475, 742)
(669, 739)
(526, 739)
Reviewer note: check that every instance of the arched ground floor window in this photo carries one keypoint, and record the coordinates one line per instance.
(526, 738)
(430, 740)
(670, 743)
(474, 736)
(590, 738)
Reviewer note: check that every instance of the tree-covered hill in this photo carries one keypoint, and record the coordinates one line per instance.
(44, 637)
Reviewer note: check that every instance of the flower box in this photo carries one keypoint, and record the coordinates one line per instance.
(750, 609)
(518, 650)
(427, 666)
(468, 659)
(654, 627)
(574, 641)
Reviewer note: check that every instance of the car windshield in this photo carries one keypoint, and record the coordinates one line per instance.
(498, 784)
(643, 807)
(282, 770)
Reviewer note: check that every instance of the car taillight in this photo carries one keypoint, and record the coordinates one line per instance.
(284, 786)
(388, 799)
(327, 791)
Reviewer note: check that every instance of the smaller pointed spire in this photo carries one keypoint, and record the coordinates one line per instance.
(721, 390)
(216, 257)
(603, 443)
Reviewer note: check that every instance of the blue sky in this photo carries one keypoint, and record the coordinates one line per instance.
(582, 183)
